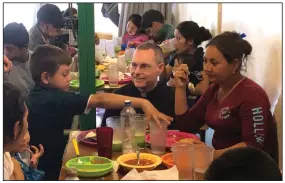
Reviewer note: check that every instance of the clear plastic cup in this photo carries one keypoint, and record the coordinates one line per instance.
(168, 46)
(140, 123)
(158, 137)
(26, 156)
(184, 159)
(115, 123)
(113, 75)
(203, 157)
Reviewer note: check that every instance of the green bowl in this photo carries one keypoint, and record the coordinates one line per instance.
(87, 169)
(74, 84)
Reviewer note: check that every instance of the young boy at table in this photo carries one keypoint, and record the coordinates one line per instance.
(52, 107)
(244, 164)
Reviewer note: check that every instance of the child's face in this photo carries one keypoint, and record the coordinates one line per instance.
(61, 78)
(22, 136)
(131, 28)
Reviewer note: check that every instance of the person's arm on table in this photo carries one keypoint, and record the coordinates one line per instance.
(114, 101)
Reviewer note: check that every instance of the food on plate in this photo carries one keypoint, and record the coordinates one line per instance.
(143, 162)
(90, 135)
(101, 67)
(97, 161)
(187, 140)
(79, 161)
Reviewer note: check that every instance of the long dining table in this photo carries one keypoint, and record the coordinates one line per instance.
(86, 150)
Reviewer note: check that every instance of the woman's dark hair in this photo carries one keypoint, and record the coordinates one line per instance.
(47, 58)
(244, 164)
(136, 19)
(232, 46)
(191, 31)
(14, 110)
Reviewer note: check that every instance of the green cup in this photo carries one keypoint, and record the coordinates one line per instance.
(115, 123)
(139, 123)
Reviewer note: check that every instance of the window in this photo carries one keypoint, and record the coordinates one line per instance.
(27, 14)
(24, 13)
(103, 24)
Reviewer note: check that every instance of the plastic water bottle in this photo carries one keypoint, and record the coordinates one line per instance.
(128, 145)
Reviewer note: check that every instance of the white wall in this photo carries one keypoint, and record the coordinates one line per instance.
(263, 31)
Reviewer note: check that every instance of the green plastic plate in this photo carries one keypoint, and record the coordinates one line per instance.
(87, 169)
(74, 84)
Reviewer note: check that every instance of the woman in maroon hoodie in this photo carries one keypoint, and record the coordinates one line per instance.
(234, 106)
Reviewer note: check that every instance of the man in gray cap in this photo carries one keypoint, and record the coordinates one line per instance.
(15, 40)
(49, 22)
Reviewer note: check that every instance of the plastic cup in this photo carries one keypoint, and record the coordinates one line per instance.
(203, 157)
(139, 123)
(104, 141)
(122, 65)
(168, 46)
(113, 75)
(129, 54)
(183, 158)
(26, 157)
(115, 123)
(158, 137)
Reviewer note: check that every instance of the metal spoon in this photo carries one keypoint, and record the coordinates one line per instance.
(138, 155)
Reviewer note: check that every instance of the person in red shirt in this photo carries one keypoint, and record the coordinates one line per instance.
(134, 36)
(236, 107)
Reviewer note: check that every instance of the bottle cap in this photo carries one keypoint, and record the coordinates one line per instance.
(128, 102)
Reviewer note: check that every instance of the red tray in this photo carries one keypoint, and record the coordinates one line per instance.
(174, 136)
(126, 80)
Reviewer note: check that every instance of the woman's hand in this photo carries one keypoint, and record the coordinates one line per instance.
(181, 76)
(153, 114)
(35, 156)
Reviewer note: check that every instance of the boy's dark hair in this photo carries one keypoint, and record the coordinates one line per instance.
(50, 14)
(186, 58)
(151, 16)
(191, 31)
(13, 110)
(136, 19)
(16, 34)
(47, 58)
(244, 164)
(232, 46)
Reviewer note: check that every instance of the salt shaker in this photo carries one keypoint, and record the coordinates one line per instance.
(71, 174)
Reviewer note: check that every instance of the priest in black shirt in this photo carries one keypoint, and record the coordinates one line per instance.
(147, 64)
